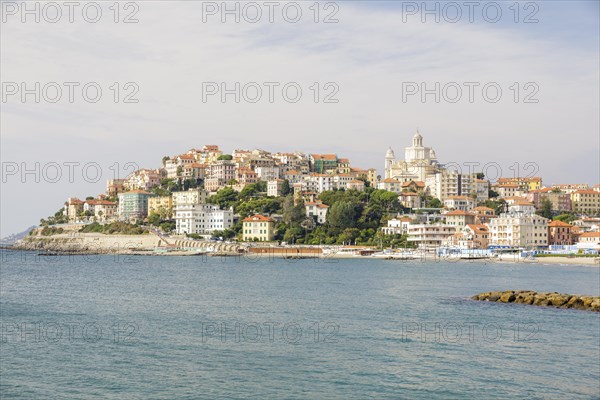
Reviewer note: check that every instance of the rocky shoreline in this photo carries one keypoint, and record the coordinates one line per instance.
(542, 299)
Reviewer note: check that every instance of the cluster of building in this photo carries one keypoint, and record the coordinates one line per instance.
(421, 166)
(307, 175)
(459, 222)
(480, 228)
(309, 172)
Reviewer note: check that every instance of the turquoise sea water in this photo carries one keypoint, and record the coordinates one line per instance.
(189, 327)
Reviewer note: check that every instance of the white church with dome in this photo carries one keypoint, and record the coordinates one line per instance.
(419, 162)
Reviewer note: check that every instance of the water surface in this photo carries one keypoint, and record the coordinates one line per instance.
(191, 327)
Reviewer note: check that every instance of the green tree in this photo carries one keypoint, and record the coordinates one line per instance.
(293, 214)
(293, 234)
(371, 216)
(285, 188)
(342, 215)
(261, 186)
(387, 200)
(499, 206)
(433, 202)
(545, 208)
(225, 197)
(227, 157)
(258, 206)
(154, 219)
(58, 218)
(167, 226)
(348, 236)
(248, 191)
(567, 217)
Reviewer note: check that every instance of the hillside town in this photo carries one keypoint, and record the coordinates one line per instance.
(322, 199)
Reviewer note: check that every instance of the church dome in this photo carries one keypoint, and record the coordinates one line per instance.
(417, 139)
(390, 153)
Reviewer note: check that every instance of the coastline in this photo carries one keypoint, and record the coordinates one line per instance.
(152, 245)
(294, 255)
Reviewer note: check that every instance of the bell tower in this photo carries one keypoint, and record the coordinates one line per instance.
(390, 157)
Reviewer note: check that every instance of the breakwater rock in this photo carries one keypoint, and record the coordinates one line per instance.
(98, 243)
(543, 299)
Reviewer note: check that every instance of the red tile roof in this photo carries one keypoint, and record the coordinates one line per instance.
(324, 156)
(557, 223)
(478, 228)
(258, 218)
(590, 234)
(483, 208)
(459, 212)
(417, 183)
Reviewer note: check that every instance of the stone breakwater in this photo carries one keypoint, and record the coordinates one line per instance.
(543, 299)
(97, 243)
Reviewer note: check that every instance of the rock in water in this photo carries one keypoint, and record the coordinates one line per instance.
(542, 299)
(507, 297)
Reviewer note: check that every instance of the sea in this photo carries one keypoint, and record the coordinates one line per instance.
(166, 327)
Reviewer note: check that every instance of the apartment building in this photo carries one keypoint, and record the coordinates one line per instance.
(427, 236)
(516, 229)
(133, 205)
(201, 219)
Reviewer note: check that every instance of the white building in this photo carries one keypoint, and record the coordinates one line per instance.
(521, 207)
(320, 182)
(191, 196)
(589, 241)
(448, 183)
(267, 173)
(318, 210)
(201, 219)
(193, 215)
(482, 187)
(397, 226)
(518, 229)
(462, 203)
(175, 164)
(219, 173)
(274, 187)
(427, 236)
(144, 179)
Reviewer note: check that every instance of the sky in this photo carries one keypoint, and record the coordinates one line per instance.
(367, 72)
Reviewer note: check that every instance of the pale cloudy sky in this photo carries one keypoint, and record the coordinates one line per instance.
(370, 53)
